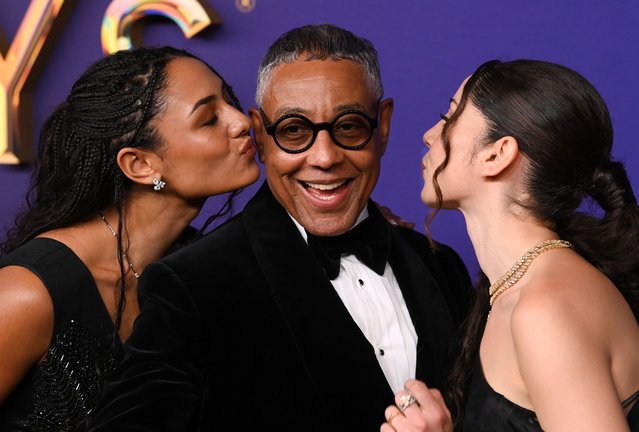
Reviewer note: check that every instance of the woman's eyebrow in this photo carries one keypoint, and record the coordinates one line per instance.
(203, 101)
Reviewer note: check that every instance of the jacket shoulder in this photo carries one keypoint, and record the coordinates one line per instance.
(447, 268)
(221, 244)
(441, 253)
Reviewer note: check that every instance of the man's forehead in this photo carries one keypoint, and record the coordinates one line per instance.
(304, 87)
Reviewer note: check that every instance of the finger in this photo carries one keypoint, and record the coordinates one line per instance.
(440, 399)
(432, 406)
(427, 397)
(391, 414)
(419, 389)
(437, 413)
(431, 403)
(404, 400)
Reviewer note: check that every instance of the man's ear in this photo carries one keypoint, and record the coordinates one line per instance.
(140, 166)
(258, 132)
(495, 158)
(385, 114)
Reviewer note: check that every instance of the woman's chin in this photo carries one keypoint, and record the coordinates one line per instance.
(427, 199)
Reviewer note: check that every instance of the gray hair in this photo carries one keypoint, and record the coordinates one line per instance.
(320, 42)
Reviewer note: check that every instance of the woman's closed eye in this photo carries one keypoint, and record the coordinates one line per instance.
(211, 121)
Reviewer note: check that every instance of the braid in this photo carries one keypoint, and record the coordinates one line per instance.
(145, 105)
(122, 282)
(76, 175)
(111, 106)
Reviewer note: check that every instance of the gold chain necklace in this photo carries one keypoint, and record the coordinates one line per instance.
(115, 234)
(518, 270)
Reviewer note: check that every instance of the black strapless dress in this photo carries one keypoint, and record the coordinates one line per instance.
(488, 411)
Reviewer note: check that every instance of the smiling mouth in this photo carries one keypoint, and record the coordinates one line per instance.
(325, 191)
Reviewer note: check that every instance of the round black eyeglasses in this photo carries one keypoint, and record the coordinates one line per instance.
(294, 133)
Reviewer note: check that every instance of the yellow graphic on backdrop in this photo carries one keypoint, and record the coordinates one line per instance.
(15, 67)
(122, 14)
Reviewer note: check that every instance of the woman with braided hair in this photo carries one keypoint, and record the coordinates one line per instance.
(124, 165)
(552, 343)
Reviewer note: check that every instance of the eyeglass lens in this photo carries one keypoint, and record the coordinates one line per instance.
(348, 130)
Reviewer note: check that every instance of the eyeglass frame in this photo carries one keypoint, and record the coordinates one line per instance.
(316, 128)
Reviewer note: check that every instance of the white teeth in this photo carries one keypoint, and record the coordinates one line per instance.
(325, 187)
(324, 198)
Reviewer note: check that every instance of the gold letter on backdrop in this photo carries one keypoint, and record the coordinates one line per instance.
(122, 14)
(14, 71)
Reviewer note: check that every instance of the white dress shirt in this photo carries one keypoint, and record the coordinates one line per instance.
(377, 306)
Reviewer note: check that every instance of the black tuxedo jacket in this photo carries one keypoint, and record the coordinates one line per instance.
(242, 330)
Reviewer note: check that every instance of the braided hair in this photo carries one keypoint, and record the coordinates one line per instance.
(111, 106)
(563, 128)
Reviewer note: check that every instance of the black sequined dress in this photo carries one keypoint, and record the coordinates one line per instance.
(59, 394)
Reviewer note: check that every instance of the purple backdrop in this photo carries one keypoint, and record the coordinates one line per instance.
(426, 48)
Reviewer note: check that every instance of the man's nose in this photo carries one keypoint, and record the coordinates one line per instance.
(324, 152)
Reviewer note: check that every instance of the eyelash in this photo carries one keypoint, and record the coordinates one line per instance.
(211, 122)
(444, 117)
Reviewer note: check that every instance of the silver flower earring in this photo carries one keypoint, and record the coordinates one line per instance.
(159, 185)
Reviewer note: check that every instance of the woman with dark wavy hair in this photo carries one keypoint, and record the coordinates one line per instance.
(552, 342)
(125, 163)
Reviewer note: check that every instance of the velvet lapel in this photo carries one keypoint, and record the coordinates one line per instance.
(427, 307)
(338, 357)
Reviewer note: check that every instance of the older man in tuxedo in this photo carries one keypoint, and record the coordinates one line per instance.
(307, 310)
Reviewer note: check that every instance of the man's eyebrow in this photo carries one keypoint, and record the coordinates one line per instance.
(282, 111)
(452, 100)
(348, 107)
(203, 101)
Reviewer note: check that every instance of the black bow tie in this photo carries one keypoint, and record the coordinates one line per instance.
(369, 241)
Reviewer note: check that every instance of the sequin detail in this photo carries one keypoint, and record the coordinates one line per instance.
(68, 384)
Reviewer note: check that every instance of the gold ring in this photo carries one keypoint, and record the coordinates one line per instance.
(392, 416)
(405, 401)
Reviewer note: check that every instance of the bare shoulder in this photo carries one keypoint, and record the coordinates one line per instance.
(568, 310)
(21, 287)
(568, 294)
(26, 324)
(566, 329)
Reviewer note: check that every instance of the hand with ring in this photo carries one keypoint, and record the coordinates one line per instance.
(418, 409)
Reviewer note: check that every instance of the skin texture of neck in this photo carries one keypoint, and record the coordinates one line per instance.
(501, 234)
(153, 223)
